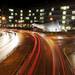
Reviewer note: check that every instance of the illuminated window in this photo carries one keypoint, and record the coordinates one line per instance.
(11, 10)
(29, 14)
(10, 20)
(41, 14)
(68, 27)
(37, 10)
(20, 21)
(52, 9)
(24, 25)
(21, 14)
(21, 11)
(63, 17)
(73, 17)
(63, 22)
(33, 14)
(21, 17)
(41, 10)
(41, 18)
(15, 20)
(12, 13)
(35, 21)
(29, 11)
(73, 12)
(10, 17)
(31, 21)
(63, 27)
(64, 7)
(16, 14)
(34, 17)
(67, 7)
(64, 12)
(12, 25)
(15, 25)
(50, 13)
(27, 18)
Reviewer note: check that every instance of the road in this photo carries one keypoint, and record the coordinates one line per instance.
(31, 53)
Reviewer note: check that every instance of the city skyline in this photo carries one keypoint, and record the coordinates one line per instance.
(63, 15)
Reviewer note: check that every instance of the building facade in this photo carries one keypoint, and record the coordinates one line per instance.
(26, 17)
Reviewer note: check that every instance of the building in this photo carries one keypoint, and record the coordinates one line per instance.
(26, 17)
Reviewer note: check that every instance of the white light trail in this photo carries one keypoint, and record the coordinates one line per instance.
(9, 48)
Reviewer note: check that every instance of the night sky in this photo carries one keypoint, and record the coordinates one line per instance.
(34, 3)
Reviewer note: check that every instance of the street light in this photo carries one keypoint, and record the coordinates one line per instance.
(51, 19)
(3, 18)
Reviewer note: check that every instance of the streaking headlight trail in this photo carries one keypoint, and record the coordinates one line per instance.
(7, 49)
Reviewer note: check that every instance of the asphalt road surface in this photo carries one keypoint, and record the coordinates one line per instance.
(31, 53)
